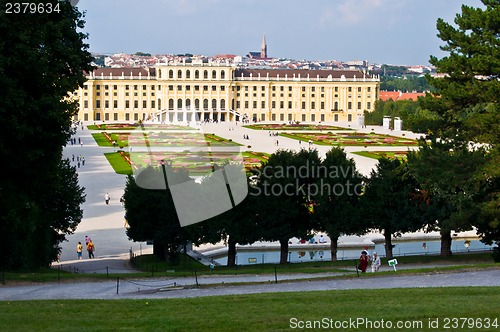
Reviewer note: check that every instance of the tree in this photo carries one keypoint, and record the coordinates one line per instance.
(339, 187)
(467, 98)
(388, 202)
(452, 183)
(237, 225)
(282, 196)
(42, 57)
(151, 214)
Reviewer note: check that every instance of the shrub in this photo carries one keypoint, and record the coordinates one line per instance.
(496, 254)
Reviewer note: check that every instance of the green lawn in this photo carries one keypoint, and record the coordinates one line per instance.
(102, 140)
(119, 164)
(262, 312)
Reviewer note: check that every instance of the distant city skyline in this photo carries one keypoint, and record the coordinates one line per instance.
(399, 32)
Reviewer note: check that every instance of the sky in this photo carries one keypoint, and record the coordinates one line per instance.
(398, 32)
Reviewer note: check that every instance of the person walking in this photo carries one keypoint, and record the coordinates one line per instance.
(106, 198)
(79, 249)
(90, 249)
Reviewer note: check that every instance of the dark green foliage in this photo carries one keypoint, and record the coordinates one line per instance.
(151, 214)
(468, 102)
(452, 185)
(414, 117)
(408, 83)
(283, 197)
(389, 203)
(42, 57)
(469, 92)
(336, 209)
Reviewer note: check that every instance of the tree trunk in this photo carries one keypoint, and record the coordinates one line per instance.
(333, 247)
(388, 244)
(445, 243)
(231, 252)
(283, 251)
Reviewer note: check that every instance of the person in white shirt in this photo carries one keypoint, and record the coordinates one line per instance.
(375, 262)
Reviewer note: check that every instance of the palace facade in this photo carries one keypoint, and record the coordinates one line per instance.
(180, 92)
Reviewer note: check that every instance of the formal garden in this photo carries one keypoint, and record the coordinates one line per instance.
(133, 126)
(351, 139)
(197, 163)
(293, 126)
(160, 138)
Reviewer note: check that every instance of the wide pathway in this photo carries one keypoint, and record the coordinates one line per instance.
(218, 285)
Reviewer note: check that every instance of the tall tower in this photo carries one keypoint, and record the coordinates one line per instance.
(263, 48)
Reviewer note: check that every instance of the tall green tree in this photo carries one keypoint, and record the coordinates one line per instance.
(467, 98)
(151, 213)
(388, 203)
(337, 197)
(282, 196)
(453, 186)
(42, 58)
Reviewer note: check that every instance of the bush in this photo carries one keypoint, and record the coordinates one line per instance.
(496, 254)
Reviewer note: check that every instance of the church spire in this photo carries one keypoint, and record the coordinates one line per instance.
(263, 48)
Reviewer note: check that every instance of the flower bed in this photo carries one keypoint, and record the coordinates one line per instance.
(348, 139)
(284, 126)
(197, 163)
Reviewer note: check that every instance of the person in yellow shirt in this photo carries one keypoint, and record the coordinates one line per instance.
(79, 249)
(90, 249)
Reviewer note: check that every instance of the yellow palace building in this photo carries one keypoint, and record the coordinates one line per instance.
(184, 92)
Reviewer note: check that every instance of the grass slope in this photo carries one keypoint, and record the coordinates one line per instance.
(258, 312)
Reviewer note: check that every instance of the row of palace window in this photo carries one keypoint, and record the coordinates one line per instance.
(187, 103)
(115, 117)
(274, 117)
(196, 74)
(135, 87)
(303, 117)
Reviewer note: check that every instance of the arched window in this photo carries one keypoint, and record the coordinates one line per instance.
(179, 104)
(170, 73)
(222, 74)
(196, 74)
(188, 74)
(205, 74)
(222, 104)
(179, 73)
(159, 73)
(197, 104)
(188, 104)
(159, 104)
(214, 74)
(214, 104)
(336, 105)
(170, 104)
(205, 104)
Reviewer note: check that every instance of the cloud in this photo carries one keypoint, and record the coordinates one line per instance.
(187, 7)
(355, 12)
